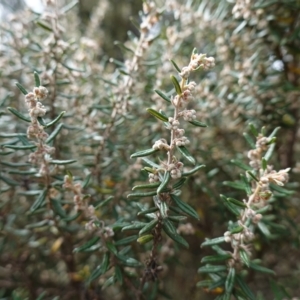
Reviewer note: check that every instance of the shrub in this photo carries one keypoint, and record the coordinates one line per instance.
(79, 130)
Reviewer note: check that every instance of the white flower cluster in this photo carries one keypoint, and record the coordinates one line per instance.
(174, 124)
(279, 178)
(42, 155)
(182, 141)
(197, 61)
(161, 145)
(153, 177)
(176, 169)
(189, 115)
(35, 108)
(255, 155)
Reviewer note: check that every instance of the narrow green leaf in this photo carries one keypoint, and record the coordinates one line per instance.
(110, 281)
(230, 280)
(37, 80)
(148, 227)
(57, 208)
(44, 25)
(215, 258)
(18, 147)
(126, 241)
(177, 219)
(112, 248)
(193, 171)
(146, 186)
(236, 229)
(18, 114)
(264, 229)
(176, 210)
(162, 206)
(105, 202)
(197, 123)
(241, 165)
(214, 241)
(263, 209)
(226, 296)
(6, 153)
(101, 269)
(41, 121)
(141, 195)
(145, 239)
(253, 176)
(23, 172)
(234, 209)
(249, 140)
(72, 217)
(272, 141)
(247, 186)
(86, 181)
(52, 136)
(212, 269)
(185, 153)
(40, 199)
(53, 122)
(134, 226)
(118, 274)
(9, 181)
(264, 163)
(171, 231)
(253, 130)
(130, 262)
(162, 95)
(164, 182)
(269, 152)
(87, 245)
(245, 257)
(236, 185)
(240, 27)
(261, 268)
(69, 6)
(65, 64)
(237, 202)
(281, 189)
(41, 296)
(123, 47)
(11, 135)
(186, 208)
(21, 88)
(219, 250)
(204, 283)
(175, 66)
(274, 132)
(179, 183)
(157, 115)
(244, 287)
(144, 153)
(151, 163)
(62, 162)
(279, 291)
(38, 224)
(118, 225)
(5, 98)
(148, 211)
(176, 85)
(216, 284)
(14, 165)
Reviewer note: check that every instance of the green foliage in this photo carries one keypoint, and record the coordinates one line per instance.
(74, 126)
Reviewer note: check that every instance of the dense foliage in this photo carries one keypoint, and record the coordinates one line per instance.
(115, 170)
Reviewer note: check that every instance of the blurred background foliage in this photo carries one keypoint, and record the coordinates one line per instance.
(81, 54)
